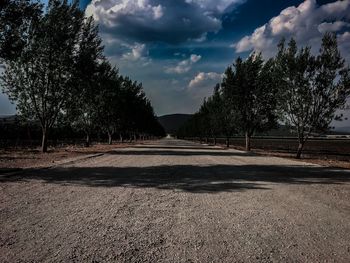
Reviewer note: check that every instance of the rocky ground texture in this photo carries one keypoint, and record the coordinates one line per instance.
(176, 201)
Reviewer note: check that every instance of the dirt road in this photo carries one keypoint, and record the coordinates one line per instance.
(175, 201)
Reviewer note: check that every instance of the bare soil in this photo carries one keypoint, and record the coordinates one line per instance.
(176, 201)
(320, 159)
(330, 153)
(14, 158)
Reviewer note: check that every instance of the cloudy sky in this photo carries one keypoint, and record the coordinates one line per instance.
(179, 49)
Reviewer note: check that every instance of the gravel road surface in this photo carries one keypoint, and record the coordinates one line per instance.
(176, 201)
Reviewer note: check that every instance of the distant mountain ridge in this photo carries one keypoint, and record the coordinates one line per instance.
(342, 129)
(172, 122)
(7, 116)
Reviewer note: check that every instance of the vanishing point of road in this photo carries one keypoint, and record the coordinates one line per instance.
(176, 201)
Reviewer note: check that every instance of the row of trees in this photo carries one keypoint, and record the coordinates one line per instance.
(54, 69)
(295, 88)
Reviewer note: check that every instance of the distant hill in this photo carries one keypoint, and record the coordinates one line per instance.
(345, 130)
(3, 116)
(172, 122)
(7, 118)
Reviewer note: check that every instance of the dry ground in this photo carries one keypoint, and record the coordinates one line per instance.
(320, 159)
(331, 153)
(176, 201)
(14, 158)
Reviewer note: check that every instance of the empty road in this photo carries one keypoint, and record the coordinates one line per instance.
(176, 201)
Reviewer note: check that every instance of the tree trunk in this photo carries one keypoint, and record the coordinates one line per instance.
(109, 138)
(247, 142)
(44, 141)
(87, 142)
(206, 140)
(121, 139)
(214, 140)
(300, 149)
(29, 135)
(227, 142)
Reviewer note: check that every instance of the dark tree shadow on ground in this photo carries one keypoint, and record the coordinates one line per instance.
(182, 152)
(210, 148)
(195, 179)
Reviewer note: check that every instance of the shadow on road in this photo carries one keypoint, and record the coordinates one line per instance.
(196, 179)
(210, 148)
(183, 152)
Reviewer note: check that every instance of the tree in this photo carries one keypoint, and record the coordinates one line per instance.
(108, 96)
(251, 94)
(204, 119)
(215, 108)
(191, 128)
(82, 110)
(40, 79)
(133, 98)
(312, 88)
(217, 119)
(229, 113)
(17, 19)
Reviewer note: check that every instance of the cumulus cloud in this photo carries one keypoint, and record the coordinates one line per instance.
(184, 65)
(137, 51)
(104, 10)
(332, 27)
(202, 85)
(195, 58)
(203, 79)
(306, 23)
(166, 21)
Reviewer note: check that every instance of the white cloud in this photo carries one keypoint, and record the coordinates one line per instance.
(332, 27)
(138, 51)
(195, 58)
(306, 23)
(152, 20)
(202, 79)
(105, 11)
(184, 65)
(202, 85)
(215, 5)
(157, 12)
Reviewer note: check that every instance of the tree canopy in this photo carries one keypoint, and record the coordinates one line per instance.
(295, 88)
(55, 67)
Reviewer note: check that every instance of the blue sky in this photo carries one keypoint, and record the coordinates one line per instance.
(179, 49)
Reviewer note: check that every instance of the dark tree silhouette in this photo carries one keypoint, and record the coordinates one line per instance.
(17, 20)
(254, 96)
(40, 78)
(312, 88)
(295, 88)
(56, 73)
(81, 109)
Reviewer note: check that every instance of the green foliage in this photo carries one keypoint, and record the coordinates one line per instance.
(295, 88)
(251, 95)
(311, 87)
(55, 70)
(81, 108)
(244, 103)
(17, 19)
(39, 79)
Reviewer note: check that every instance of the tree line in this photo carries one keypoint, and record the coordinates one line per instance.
(294, 88)
(55, 71)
